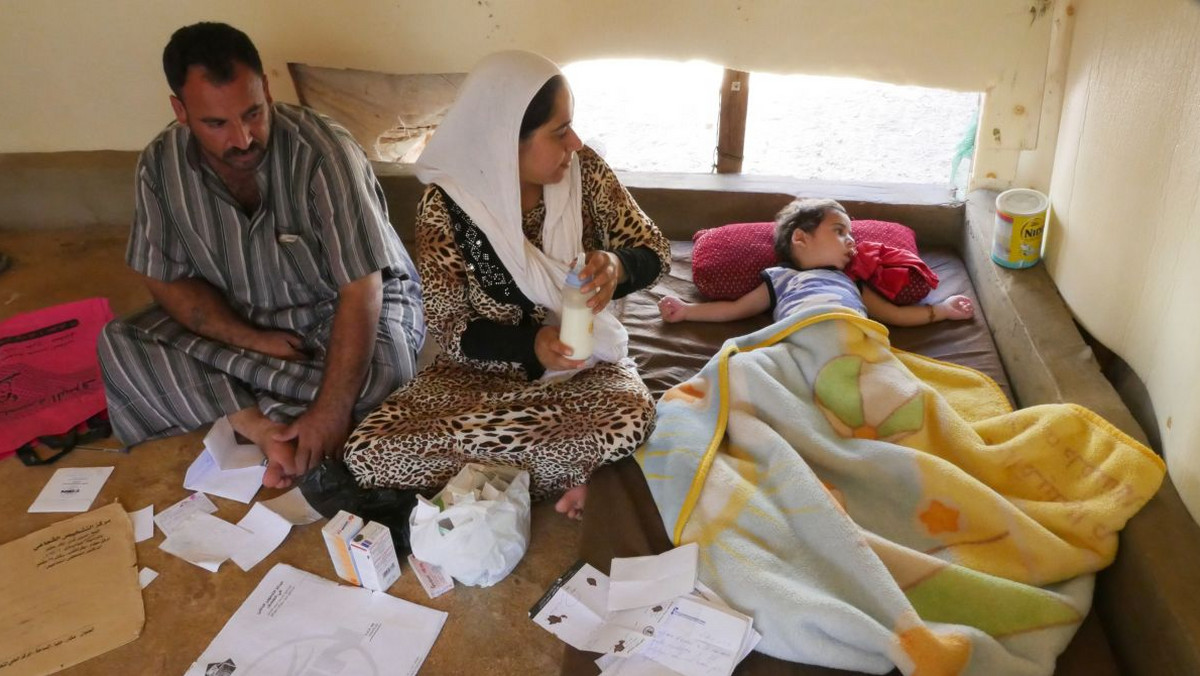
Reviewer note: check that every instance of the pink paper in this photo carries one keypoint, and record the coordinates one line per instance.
(49, 373)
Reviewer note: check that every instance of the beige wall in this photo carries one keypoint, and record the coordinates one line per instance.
(85, 75)
(1124, 246)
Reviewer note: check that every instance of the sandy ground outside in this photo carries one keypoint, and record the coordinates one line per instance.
(646, 115)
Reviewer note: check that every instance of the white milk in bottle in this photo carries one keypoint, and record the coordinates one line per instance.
(576, 328)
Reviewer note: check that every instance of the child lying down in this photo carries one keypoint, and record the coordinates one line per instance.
(814, 236)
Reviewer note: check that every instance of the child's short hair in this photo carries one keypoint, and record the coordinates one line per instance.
(804, 213)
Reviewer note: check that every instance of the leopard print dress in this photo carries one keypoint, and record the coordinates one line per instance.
(461, 410)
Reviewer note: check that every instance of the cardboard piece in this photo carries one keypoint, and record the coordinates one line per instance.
(69, 592)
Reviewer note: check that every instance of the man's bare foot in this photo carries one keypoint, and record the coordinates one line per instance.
(571, 502)
(279, 456)
(261, 430)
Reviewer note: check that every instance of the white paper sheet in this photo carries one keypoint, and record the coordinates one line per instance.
(221, 443)
(645, 580)
(575, 612)
(208, 541)
(205, 540)
(752, 637)
(146, 576)
(169, 519)
(635, 665)
(696, 638)
(695, 634)
(268, 531)
(296, 622)
(143, 523)
(71, 489)
(206, 475)
(293, 507)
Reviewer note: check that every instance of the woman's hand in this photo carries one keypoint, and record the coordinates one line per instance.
(603, 271)
(554, 354)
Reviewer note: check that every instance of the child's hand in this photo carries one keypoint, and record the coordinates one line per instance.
(956, 307)
(672, 309)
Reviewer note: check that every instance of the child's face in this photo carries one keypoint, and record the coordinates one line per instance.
(830, 245)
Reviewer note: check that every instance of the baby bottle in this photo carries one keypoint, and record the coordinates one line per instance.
(576, 328)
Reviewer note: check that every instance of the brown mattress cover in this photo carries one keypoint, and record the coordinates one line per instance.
(621, 519)
(668, 354)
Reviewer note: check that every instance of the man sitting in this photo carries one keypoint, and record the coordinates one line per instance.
(283, 297)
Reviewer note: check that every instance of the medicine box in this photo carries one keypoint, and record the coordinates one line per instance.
(338, 533)
(374, 557)
(435, 581)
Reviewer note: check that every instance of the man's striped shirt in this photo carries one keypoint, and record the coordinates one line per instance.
(322, 223)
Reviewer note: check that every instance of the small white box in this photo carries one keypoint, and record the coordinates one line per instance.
(338, 533)
(374, 556)
(433, 579)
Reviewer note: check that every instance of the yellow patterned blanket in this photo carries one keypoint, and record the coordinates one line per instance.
(874, 509)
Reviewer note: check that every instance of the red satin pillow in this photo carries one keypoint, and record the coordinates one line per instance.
(726, 261)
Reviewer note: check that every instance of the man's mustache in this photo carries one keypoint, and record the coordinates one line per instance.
(252, 149)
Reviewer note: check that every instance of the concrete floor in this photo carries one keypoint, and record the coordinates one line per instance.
(487, 631)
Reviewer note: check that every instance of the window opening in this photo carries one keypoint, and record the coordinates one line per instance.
(655, 115)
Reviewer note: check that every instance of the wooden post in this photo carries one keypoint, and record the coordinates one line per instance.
(731, 135)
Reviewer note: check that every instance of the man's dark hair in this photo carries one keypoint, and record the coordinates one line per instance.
(215, 46)
(541, 107)
(804, 214)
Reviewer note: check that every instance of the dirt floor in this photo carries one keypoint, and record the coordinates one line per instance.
(487, 630)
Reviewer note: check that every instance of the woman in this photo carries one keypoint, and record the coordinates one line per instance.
(513, 197)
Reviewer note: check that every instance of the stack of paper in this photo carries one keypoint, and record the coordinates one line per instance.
(651, 618)
(198, 537)
(225, 467)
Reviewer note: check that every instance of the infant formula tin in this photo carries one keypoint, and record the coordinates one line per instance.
(1020, 223)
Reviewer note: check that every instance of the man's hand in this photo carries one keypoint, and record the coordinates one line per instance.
(554, 354)
(204, 310)
(319, 433)
(322, 430)
(602, 270)
(280, 344)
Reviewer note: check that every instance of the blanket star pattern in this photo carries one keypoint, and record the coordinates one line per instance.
(874, 508)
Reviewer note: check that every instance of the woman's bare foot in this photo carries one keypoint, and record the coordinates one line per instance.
(571, 502)
(259, 429)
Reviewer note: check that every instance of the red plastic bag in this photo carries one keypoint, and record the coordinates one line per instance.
(49, 373)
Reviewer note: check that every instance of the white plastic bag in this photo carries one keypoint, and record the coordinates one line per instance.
(477, 528)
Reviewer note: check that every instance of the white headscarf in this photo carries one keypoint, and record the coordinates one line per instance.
(473, 157)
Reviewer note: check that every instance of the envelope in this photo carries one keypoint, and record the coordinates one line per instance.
(225, 467)
(225, 449)
(206, 476)
(646, 580)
